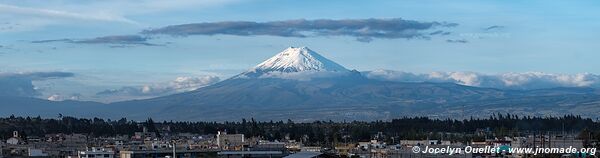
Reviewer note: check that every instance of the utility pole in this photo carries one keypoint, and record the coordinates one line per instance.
(174, 153)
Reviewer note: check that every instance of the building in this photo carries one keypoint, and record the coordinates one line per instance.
(311, 148)
(144, 135)
(424, 142)
(182, 153)
(562, 141)
(373, 144)
(15, 139)
(266, 145)
(251, 154)
(96, 153)
(344, 149)
(12, 141)
(36, 153)
(66, 138)
(225, 140)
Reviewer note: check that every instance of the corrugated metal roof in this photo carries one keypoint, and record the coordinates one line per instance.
(304, 154)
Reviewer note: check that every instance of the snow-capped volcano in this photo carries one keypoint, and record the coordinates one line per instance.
(296, 59)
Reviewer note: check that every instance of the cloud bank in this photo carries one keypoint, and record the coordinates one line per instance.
(20, 84)
(523, 81)
(119, 39)
(180, 84)
(363, 30)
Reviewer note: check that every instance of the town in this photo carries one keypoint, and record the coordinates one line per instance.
(278, 139)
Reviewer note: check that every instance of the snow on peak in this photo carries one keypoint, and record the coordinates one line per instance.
(298, 59)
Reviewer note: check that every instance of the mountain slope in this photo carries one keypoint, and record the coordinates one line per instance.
(350, 98)
(296, 80)
(300, 84)
(353, 96)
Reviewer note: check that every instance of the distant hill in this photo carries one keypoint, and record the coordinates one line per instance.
(24, 106)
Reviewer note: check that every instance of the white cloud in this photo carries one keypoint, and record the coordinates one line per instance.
(33, 15)
(58, 97)
(49, 13)
(146, 6)
(464, 78)
(527, 80)
(55, 97)
(193, 83)
(180, 84)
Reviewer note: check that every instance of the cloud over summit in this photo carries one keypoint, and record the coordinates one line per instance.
(363, 30)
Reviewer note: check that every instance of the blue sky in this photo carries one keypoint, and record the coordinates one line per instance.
(529, 36)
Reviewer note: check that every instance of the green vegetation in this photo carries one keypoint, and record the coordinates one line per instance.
(316, 133)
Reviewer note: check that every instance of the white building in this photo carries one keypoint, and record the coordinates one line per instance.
(14, 140)
(96, 153)
(373, 144)
(424, 142)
